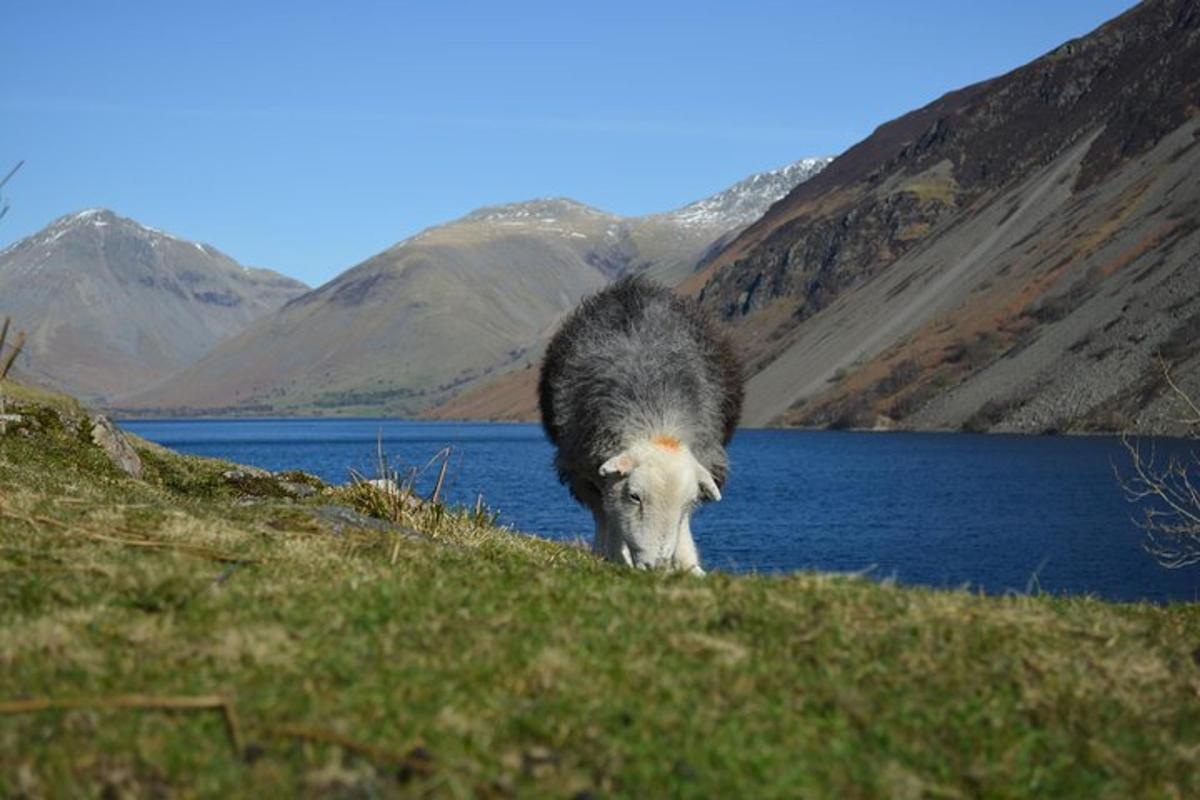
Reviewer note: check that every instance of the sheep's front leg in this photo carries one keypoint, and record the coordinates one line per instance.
(686, 557)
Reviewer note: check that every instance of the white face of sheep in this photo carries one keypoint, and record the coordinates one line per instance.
(649, 493)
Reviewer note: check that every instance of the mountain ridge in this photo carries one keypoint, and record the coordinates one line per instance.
(110, 303)
(449, 306)
(1063, 167)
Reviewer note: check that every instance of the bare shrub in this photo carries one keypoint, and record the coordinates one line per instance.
(853, 411)
(975, 352)
(911, 402)
(6, 362)
(1168, 492)
(901, 375)
(1182, 342)
(1110, 420)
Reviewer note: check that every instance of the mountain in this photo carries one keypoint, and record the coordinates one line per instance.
(671, 245)
(1013, 256)
(111, 305)
(452, 306)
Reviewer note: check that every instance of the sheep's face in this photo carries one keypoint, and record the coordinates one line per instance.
(650, 491)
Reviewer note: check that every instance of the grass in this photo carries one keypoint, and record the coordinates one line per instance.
(933, 187)
(183, 634)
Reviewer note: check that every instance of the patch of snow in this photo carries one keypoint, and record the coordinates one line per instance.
(747, 200)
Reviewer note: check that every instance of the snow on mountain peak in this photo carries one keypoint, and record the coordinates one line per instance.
(749, 199)
(96, 219)
(541, 208)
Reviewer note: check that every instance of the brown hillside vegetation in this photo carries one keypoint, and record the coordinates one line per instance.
(510, 398)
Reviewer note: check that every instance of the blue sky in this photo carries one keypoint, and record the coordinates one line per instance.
(308, 136)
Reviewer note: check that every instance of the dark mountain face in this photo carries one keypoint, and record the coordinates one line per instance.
(111, 305)
(1128, 84)
(1012, 256)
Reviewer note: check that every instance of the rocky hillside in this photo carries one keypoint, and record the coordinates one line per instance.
(1012, 256)
(453, 306)
(111, 305)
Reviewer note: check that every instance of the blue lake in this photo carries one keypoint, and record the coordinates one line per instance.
(997, 513)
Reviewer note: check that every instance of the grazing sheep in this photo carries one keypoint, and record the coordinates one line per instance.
(640, 395)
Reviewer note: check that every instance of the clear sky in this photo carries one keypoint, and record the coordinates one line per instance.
(306, 136)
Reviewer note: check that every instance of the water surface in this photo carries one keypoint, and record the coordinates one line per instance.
(998, 513)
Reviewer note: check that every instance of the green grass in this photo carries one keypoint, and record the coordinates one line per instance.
(447, 657)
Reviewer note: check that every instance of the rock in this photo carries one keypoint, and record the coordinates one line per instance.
(109, 438)
(293, 489)
(339, 519)
(242, 473)
(255, 482)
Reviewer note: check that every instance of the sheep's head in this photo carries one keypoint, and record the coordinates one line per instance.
(649, 493)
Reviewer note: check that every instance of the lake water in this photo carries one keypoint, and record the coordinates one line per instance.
(998, 513)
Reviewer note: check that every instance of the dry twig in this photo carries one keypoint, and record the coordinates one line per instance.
(6, 362)
(415, 760)
(1183, 396)
(135, 701)
(190, 549)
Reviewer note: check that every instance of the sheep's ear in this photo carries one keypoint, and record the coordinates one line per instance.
(620, 464)
(708, 487)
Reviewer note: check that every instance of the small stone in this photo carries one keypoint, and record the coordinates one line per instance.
(109, 438)
(253, 752)
(293, 489)
(245, 472)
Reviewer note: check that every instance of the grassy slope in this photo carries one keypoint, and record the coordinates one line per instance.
(467, 660)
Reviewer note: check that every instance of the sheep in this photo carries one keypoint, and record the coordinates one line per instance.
(640, 395)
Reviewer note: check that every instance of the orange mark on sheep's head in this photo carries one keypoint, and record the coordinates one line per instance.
(665, 442)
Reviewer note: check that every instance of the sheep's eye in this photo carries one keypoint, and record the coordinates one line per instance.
(635, 497)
